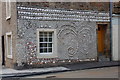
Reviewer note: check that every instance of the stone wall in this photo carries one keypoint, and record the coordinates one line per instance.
(94, 6)
(116, 7)
(76, 33)
(81, 36)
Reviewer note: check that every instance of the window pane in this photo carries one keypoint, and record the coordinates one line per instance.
(45, 34)
(41, 44)
(49, 49)
(41, 50)
(45, 50)
(50, 39)
(44, 44)
(46, 39)
(41, 39)
(49, 44)
(50, 34)
(41, 34)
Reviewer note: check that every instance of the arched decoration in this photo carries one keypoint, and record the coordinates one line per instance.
(86, 39)
(68, 38)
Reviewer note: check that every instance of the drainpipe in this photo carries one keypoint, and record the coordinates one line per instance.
(110, 14)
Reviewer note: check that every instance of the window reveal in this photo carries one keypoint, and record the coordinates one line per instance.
(9, 44)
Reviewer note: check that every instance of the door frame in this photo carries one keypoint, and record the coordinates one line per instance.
(100, 23)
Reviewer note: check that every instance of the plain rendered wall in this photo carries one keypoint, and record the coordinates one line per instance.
(115, 38)
(9, 26)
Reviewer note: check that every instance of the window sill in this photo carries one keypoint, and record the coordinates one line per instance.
(9, 56)
(45, 53)
(8, 18)
(47, 56)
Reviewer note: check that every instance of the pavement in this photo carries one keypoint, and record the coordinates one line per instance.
(7, 72)
(106, 72)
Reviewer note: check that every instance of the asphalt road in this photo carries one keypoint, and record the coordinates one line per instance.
(108, 72)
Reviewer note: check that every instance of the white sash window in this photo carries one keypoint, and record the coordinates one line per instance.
(46, 43)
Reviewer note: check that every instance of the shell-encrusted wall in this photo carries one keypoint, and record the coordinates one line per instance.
(59, 14)
(76, 39)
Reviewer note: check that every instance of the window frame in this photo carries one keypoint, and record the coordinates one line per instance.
(9, 54)
(47, 43)
(8, 9)
(54, 44)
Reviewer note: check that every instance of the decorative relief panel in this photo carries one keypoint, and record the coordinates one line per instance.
(68, 37)
(86, 39)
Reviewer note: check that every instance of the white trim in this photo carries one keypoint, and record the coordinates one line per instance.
(9, 34)
(8, 9)
(54, 47)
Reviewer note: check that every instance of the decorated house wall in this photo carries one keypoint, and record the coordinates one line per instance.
(76, 34)
(75, 40)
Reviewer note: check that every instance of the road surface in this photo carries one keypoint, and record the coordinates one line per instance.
(108, 72)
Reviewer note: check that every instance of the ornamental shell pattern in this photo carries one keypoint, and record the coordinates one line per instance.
(69, 41)
(32, 13)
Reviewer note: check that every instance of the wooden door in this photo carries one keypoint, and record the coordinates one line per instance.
(101, 38)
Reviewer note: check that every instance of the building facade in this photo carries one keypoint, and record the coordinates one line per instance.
(44, 34)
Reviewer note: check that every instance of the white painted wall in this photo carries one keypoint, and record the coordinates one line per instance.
(119, 38)
(115, 38)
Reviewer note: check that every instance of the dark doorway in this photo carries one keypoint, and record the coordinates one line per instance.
(3, 51)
